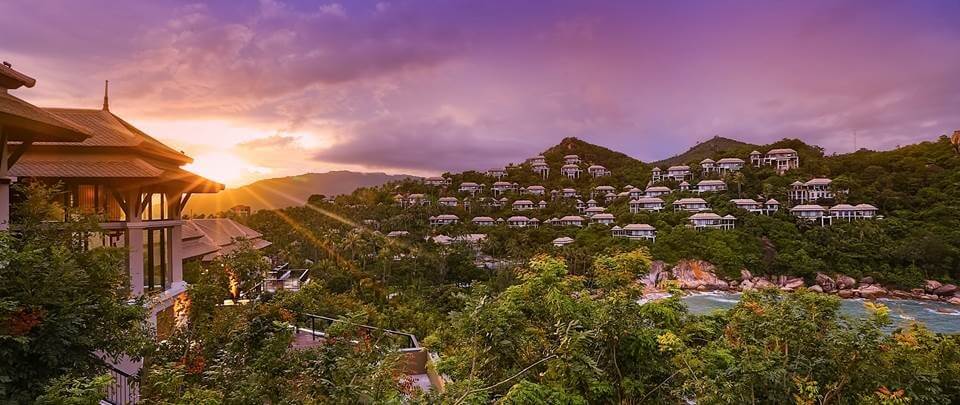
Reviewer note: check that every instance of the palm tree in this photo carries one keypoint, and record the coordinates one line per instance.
(738, 178)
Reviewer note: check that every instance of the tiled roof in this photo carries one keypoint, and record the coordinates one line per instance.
(80, 168)
(12, 79)
(639, 227)
(24, 121)
(109, 130)
(212, 237)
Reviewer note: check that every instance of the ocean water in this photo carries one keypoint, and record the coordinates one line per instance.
(937, 316)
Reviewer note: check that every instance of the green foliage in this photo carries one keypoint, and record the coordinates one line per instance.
(73, 390)
(61, 302)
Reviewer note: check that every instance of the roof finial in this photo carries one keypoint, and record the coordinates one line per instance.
(106, 99)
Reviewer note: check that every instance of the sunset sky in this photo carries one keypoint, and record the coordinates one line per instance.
(256, 89)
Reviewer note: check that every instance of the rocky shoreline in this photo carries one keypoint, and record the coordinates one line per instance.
(699, 275)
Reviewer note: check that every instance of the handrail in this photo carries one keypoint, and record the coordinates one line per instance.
(415, 344)
(125, 388)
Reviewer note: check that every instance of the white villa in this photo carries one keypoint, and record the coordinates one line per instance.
(523, 205)
(539, 159)
(445, 219)
(571, 220)
(437, 181)
(646, 204)
(678, 173)
(562, 241)
(535, 190)
(684, 186)
(691, 204)
(603, 218)
(542, 169)
(635, 193)
(598, 171)
(591, 203)
(591, 211)
(570, 170)
(781, 159)
(811, 212)
(470, 187)
(730, 164)
(483, 221)
(522, 222)
(571, 160)
(655, 191)
(448, 201)
(708, 165)
(568, 193)
(851, 212)
(748, 204)
(811, 191)
(707, 220)
(542, 204)
(413, 200)
(603, 190)
(501, 187)
(581, 205)
(636, 231)
(499, 173)
(707, 186)
(610, 197)
(772, 206)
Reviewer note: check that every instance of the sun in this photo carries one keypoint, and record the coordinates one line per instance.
(223, 167)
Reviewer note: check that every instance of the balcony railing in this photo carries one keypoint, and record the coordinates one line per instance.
(125, 388)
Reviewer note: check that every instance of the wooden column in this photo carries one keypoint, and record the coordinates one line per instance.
(175, 238)
(133, 239)
(4, 183)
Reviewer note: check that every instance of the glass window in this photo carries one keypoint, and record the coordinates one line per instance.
(157, 274)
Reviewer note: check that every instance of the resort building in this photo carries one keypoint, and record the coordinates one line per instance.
(635, 193)
(709, 186)
(571, 171)
(437, 181)
(771, 206)
(562, 241)
(691, 204)
(483, 221)
(448, 201)
(598, 171)
(708, 165)
(523, 205)
(811, 212)
(542, 204)
(209, 238)
(678, 173)
(603, 190)
(603, 218)
(540, 159)
(636, 232)
(730, 164)
(541, 168)
(709, 220)
(498, 173)
(654, 191)
(591, 203)
(571, 160)
(656, 174)
(812, 191)
(241, 210)
(610, 197)
(646, 204)
(568, 193)
(470, 187)
(851, 212)
(571, 220)
(132, 183)
(413, 200)
(748, 204)
(518, 222)
(21, 125)
(781, 159)
(581, 206)
(591, 211)
(502, 187)
(684, 186)
(445, 219)
(535, 190)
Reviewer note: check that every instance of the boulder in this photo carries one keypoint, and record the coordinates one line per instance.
(745, 275)
(793, 283)
(746, 285)
(762, 283)
(929, 297)
(816, 288)
(845, 282)
(692, 274)
(656, 274)
(916, 291)
(945, 290)
(826, 282)
(901, 294)
(846, 293)
(866, 280)
(954, 300)
(931, 285)
(872, 292)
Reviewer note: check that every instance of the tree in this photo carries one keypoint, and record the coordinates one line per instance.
(61, 302)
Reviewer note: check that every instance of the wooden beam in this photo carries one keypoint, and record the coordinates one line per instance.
(121, 201)
(183, 203)
(143, 203)
(18, 153)
(3, 152)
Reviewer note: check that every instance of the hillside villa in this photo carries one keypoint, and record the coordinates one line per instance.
(708, 186)
(709, 220)
(534, 190)
(571, 160)
(542, 169)
(523, 205)
(571, 220)
(690, 204)
(539, 159)
(598, 171)
(448, 201)
(653, 191)
(646, 204)
(498, 173)
(501, 187)
(470, 187)
(437, 181)
(570, 170)
(730, 164)
(603, 218)
(562, 241)
(445, 219)
(635, 231)
(811, 191)
(781, 159)
(483, 221)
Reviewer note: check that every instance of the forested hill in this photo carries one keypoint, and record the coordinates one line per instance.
(591, 154)
(716, 146)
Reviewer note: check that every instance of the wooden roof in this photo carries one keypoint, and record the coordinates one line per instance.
(22, 121)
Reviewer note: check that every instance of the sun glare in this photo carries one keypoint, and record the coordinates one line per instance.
(225, 168)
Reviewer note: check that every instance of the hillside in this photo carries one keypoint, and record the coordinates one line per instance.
(287, 191)
(715, 147)
(591, 154)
